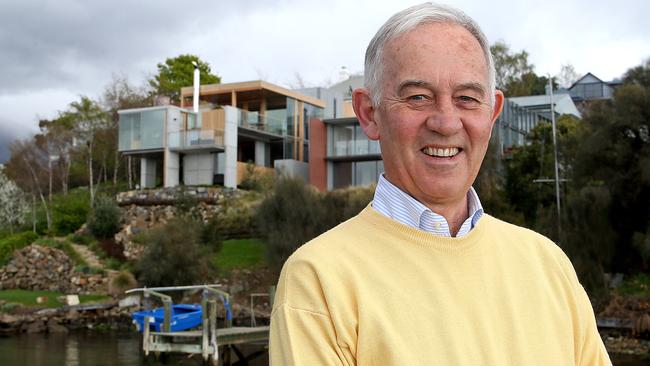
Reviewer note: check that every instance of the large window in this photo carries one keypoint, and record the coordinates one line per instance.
(141, 130)
(356, 173)
(350, 140)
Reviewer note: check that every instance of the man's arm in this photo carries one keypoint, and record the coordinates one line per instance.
(592, 351)
(302, 331)
(301, 337)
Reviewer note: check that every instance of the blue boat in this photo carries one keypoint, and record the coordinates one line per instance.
(184, 316)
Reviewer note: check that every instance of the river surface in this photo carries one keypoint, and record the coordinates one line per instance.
(113, 348)
(84, 348)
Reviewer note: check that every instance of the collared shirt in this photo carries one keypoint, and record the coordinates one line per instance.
(398, 205)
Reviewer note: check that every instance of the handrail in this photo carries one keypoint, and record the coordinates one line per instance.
(172, 288)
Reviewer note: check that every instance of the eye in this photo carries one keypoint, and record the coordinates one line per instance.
(418, 97)
(468, 102)
(467, 99)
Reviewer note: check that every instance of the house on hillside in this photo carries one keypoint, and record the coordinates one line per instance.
(589, 87)
(237, 123)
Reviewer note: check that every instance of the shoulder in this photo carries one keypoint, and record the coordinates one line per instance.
(322, 262)
(532, 244)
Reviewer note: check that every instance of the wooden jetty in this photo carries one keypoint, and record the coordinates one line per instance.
(209, 339)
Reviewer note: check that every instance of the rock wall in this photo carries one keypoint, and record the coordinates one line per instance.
(144, 209)
(48, 269)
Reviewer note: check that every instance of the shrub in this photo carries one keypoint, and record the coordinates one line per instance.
(83, 239)
(255, 179)
(69, 212)
(104, 221)
(295, 213)
(174, 255)
(121, 282)
(14, 242)
(288, 218)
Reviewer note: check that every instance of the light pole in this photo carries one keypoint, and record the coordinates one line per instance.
(557, 173)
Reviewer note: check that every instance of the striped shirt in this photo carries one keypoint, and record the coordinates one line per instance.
(398, 205)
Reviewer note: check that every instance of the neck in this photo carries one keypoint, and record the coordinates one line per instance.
(455, 213)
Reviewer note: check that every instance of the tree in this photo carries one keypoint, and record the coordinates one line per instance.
(13, 207)
(88, 118)
(615, 154)
(567, 76)
(57, 137)
(120, 94)
(178, 72)
(26, 167)
(515, 75)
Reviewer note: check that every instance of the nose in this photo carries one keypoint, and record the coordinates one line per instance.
(444, 119)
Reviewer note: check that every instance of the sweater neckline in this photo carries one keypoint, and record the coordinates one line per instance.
(422, 238)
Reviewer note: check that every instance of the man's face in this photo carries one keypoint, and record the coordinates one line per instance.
(435, 116)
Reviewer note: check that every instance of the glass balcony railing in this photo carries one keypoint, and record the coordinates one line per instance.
(195, 138)
(355, 148)
(260, 122)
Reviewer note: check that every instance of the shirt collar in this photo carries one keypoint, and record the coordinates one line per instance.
(391, 201)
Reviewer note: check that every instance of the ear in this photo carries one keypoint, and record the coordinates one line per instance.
(499, 99)
(365, 111)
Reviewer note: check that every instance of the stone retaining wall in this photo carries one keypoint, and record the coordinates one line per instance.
(42, 268)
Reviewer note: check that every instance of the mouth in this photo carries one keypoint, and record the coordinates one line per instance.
(437, 152)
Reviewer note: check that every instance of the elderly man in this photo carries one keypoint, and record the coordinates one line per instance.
(422, 276)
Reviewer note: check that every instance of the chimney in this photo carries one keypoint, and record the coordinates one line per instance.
(197, 83)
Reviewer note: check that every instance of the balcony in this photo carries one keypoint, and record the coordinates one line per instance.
(263, 123)
(196, 139)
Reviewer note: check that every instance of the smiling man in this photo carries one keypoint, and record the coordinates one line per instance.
(422, 276)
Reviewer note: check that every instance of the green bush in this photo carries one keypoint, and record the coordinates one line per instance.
(83, 239)
(174, 255)
(255, 179)
(121, 282)
(14, 242)
(104, 220)
(295, 213)
(69, 212)
(288, 218)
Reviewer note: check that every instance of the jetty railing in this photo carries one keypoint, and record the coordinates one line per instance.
(210, 337)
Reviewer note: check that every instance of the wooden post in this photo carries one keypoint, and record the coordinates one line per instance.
(167, 305)
(204, 327)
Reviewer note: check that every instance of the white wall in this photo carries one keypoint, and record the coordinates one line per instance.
(230, 142)
(172, 168)
(198, 169)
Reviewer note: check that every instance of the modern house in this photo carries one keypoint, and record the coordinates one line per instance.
(589, 87)
(236, 124)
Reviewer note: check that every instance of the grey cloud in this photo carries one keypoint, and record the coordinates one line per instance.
(46, 43)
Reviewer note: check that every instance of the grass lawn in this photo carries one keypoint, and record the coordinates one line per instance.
(28, 298)
(240, 254)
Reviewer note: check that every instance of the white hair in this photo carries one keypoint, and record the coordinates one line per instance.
(409, 19)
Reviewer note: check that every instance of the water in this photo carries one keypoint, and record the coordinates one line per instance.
(89, 349)
(114, 348)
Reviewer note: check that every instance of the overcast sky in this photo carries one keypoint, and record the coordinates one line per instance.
(53, 51)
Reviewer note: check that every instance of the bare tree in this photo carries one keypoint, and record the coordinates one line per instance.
(567, 75)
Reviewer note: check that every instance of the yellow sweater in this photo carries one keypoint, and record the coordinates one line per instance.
(375, 292)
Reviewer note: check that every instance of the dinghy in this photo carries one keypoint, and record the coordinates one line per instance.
(184, 316)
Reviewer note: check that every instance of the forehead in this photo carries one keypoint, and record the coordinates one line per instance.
(435, 50)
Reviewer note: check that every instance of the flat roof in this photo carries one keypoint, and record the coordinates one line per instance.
(211, 89)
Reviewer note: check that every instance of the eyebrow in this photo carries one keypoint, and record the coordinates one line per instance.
(477, 87)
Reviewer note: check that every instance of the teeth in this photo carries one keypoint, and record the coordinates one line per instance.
(443, 153)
